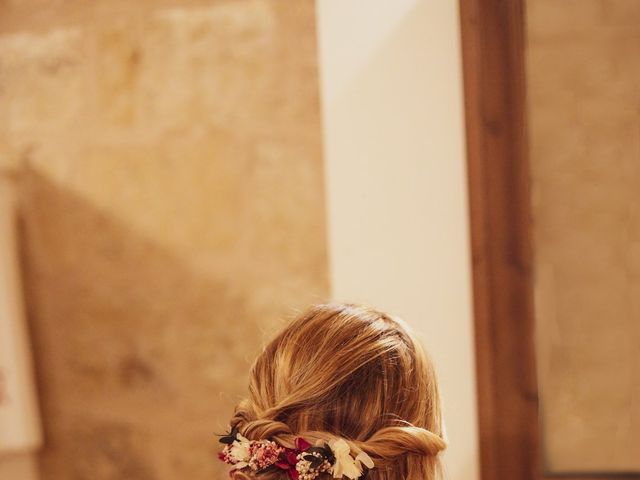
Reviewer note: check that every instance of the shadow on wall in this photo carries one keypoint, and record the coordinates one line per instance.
(173, 209)
(140, 357)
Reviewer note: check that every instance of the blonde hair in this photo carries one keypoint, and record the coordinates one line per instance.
(344, 370)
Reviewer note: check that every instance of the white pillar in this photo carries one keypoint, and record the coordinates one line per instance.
(392, 103)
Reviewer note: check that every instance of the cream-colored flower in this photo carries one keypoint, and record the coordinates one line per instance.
(365, 459)
(239, 450)
(345, 464)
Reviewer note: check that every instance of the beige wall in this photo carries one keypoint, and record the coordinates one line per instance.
(583, 74)
(396, 184)
(20, 428)
(172, 205)
(19, 466)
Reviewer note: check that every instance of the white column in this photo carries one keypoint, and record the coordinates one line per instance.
(392, 103)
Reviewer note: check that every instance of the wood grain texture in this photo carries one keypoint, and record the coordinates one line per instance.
(493, 41)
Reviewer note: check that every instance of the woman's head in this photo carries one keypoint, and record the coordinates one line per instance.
(353, 372)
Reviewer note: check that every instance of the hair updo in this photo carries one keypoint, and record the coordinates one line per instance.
(353, 372)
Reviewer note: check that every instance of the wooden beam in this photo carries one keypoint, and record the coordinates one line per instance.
(493, 42)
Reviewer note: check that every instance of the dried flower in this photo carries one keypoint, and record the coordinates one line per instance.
(345, 464)
(263, 454)
(304, 462)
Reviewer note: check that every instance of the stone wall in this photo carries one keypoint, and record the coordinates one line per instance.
(584, 106)
(168, 157)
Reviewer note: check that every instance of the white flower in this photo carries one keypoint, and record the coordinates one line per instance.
(239, 450)
(345, 464)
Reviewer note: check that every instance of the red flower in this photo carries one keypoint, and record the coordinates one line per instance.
(302, 445)
(287, 461)
(289, 458)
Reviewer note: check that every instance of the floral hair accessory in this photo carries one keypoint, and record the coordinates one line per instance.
(345, 464)
(304, 462)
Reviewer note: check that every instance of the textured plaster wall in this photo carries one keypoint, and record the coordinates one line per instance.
(584, 103)
(168, 159)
